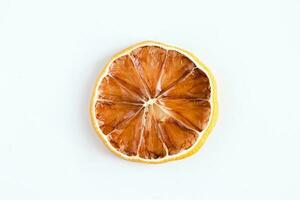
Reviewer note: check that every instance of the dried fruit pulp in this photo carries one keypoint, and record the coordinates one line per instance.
(152, 103)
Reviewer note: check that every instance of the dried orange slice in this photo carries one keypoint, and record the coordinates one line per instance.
(154, 103)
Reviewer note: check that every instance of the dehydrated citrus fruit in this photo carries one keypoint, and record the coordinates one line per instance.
(154, 103)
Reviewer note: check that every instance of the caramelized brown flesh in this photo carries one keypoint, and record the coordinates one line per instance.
(194, 86)
(190, 112)
(149, 61)
(126, 137)
(111, 89)
(176, 66)
(174, 134)
(110, 114)
(151, 143)
(124, 71)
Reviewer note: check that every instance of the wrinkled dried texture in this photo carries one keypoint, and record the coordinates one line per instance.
(151, 144)
(175, 67)
(168, 125)
(190, 112)
(127, 137)
(149, 61)
(194, 85)
(111, 114)
(111, 89)
(176, 136)
(123, 70)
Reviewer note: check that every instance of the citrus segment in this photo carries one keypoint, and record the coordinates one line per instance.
(123, 70)
(127, 136)
(176, 66)
(152, 146)
(154, 103)
(111, 89)
(193, 86)
(176, 136)
(149, 62)
(110, 114)
(191, 112)
(174, 133)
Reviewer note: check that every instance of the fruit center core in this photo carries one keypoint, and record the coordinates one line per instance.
(149, 102)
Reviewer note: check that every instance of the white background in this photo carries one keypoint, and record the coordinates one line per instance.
(52, 51)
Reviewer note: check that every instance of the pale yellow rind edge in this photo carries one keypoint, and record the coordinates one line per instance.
(206, 132)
